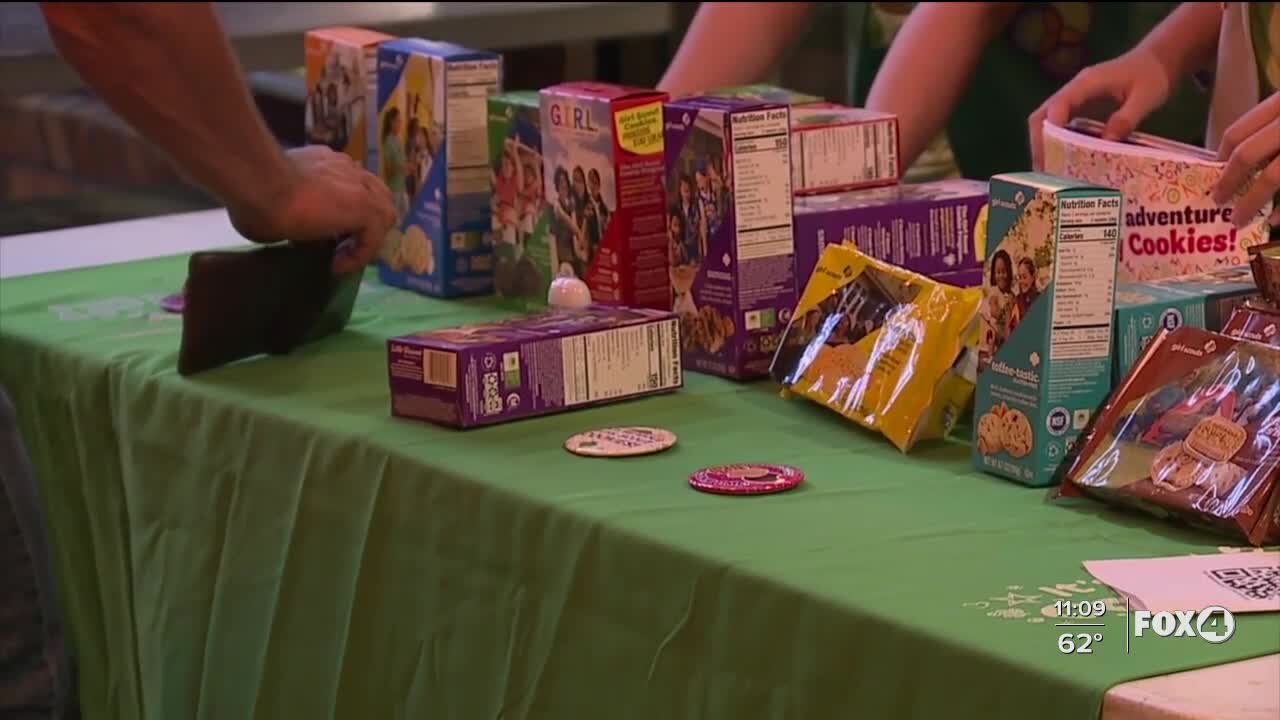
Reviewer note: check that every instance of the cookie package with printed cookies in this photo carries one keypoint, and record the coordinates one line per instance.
(1193, 433)
(891, 350)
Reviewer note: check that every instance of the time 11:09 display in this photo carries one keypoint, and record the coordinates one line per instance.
(1081, 609)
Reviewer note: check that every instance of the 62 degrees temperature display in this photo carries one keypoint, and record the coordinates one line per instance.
(1081, 624)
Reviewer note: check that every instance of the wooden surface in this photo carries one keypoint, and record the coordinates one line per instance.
(1247, 690)
(268, 36)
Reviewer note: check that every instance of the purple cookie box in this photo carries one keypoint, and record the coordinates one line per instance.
(927, 228)
(750, 298)
(533, 365)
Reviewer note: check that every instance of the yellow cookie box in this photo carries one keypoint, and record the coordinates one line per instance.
(886, 348)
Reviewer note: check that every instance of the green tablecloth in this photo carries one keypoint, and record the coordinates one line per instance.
(265, 541)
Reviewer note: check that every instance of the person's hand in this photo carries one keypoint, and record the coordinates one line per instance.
(1124, 90)
(327, 196)
(1251, 148)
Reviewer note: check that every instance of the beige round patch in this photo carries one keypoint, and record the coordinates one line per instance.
(620, 442)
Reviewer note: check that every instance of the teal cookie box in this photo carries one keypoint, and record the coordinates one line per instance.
(1203, 301)
(1046, 322)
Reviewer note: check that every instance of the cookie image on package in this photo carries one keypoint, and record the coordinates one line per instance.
(1222, 478)
(1216, 439)
(837, 368)
(1203, 459)
(1173, 469)
(706, 330)
(415, 249)
(990, 433)
(1017, 433)
(390, 252)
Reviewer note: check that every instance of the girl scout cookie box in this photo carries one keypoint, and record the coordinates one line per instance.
(342, 85)
(519, 229)
(833, 147)
(1045, 322)
(434, 156)
(552, 362)
(1171, 225)
(927, 228)
(836, 148)
(729, 231)
(602, 176)
(1202, 301)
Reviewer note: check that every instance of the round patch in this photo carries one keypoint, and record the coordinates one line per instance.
(620, 442)
(174, 303)
(746, 479)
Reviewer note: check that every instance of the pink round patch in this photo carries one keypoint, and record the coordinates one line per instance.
(746, 479)
(175, 303)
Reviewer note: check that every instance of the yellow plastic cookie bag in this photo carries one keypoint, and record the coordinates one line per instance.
(884, 347)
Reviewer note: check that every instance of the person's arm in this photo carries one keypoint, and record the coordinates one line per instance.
(929, 65)
(1138, 82)
(167, 70)
(733, 44)
(1186, 41)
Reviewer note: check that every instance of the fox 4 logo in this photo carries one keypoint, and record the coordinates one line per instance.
(1213, 624)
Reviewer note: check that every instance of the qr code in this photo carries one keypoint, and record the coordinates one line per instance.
(1255, 583)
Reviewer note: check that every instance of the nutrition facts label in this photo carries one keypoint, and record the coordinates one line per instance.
(470, 83)
(831, 156)
(618, 363)
(762, 182)
(1084, 277)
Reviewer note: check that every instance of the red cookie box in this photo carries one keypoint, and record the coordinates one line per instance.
(603, 172)
(1255, 321)
(1192, 434)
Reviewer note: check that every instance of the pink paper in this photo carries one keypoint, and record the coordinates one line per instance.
(1241, 582)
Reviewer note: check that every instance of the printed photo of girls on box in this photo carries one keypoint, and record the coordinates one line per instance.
(407, 157)
(1013, 291)
(331, 105)
(579, 219)
(701, 202)
(698, 191)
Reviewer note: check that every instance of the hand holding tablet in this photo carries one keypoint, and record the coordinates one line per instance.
(269, 300)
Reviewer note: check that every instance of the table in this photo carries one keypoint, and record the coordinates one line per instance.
(266, 538)
(268, 36)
